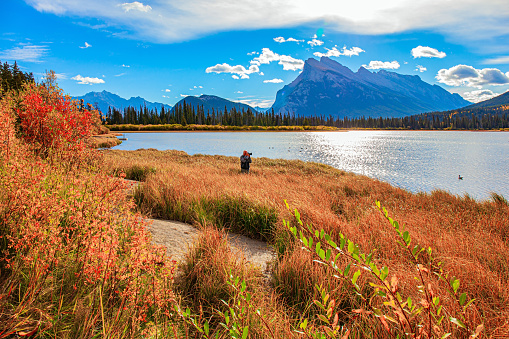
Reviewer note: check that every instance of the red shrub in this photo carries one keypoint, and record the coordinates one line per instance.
(49, 121)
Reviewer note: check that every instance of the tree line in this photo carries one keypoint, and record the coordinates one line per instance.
(12, 78)
(484, 118)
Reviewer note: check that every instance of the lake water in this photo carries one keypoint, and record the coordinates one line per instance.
(414, 160)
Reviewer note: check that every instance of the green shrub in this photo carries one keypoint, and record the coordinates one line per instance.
(138, 173)
(238, 215)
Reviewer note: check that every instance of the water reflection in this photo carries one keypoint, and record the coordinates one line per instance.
(417, 161)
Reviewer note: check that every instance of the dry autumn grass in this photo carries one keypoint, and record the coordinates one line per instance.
(76, 261)
(469, 237)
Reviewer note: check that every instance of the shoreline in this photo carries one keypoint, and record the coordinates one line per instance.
(226, 131)
(311, 131)
(297, 130)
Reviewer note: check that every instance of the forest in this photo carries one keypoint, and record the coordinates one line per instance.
(12, 78)
(486, 118)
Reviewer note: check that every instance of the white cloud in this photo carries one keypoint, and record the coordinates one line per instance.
(165, 96)
(27, 52)
(427, 52)
(235, 77)
(238, 92)
(281, 40)
(135, 6)
(420, 68)
(267, 56)
(290, 64)
(239, 70)
(167, 90)
(87, 80)
(335, 52)
(499, 60)
(252, 53)
(127, 66)
(184, 95)
(381, 64)
(263, 103)
(87, 45)
(315, 42)
(318, 37)
(119, 75)
(480, 95)
(185, 20)
(467, 75)
(273, 81)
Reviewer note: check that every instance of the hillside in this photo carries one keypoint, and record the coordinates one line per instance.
(105, 99)
(502, 99)
(209, 102)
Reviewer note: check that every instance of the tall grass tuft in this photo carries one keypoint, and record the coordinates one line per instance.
(226, 294)
(499, 199)
(137, 173)
(238, 215)
(205, 271)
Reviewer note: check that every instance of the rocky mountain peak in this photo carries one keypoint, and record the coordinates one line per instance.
(326, 87)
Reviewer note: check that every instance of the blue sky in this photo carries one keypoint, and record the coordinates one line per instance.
(246, 50)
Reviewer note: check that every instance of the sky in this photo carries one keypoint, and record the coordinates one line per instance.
(246, 50)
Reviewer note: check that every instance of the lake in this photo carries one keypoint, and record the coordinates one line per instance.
(413, 160)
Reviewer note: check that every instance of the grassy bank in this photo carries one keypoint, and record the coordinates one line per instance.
(77, 261)
(468, 237)
(104, 141)
(192, 127)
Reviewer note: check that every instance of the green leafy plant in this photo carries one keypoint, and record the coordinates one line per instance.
(400, 316)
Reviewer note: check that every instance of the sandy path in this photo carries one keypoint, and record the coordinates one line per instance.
(177, 237)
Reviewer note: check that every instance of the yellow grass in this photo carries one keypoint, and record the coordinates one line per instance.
(471, 238)
(209, 128)
(104, 141)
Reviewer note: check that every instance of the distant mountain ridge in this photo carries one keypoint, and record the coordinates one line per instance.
(210, 102)
(325, 87)
(502, 99)
(107, 99)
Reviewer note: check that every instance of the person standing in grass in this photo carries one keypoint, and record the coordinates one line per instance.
(245, 160)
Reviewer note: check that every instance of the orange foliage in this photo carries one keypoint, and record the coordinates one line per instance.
(70, 247)
(471, 238)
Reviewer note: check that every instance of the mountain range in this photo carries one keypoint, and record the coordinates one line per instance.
(325, 87)
(210, 102)
(105, 99)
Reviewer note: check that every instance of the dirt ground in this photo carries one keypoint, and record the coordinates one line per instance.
(177, 237)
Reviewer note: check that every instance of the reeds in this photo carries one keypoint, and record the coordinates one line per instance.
(469, 237)
(193, 127)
